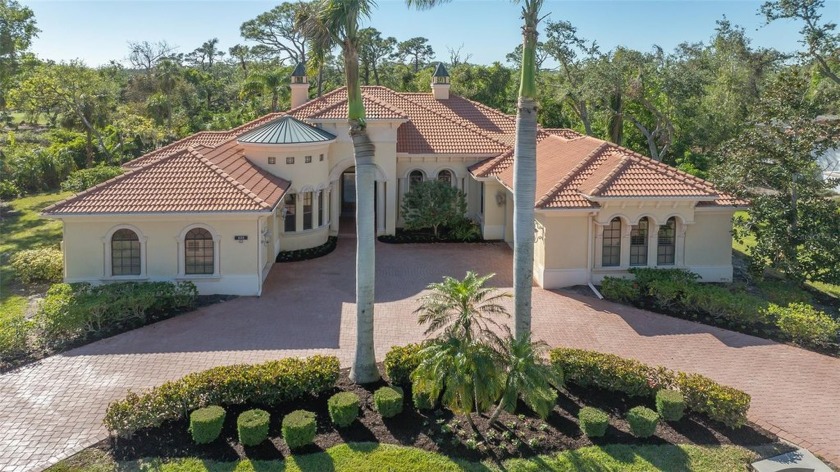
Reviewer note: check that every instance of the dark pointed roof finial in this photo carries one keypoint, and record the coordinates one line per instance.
(440, 71)
(300, 70)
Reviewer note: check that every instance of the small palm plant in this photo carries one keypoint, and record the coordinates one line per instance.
(464, 309)
(528, 377)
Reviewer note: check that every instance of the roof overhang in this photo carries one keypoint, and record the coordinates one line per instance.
(268, 147)
(698, 198)
(164, 215)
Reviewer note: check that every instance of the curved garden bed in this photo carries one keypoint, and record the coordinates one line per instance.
(404, 236)
(307, 254)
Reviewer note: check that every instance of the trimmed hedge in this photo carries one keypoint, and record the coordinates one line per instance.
(307, 254)
(593, 422)
(299, 428)
(400, 362)
(268, 383)
(670, 404)
(805, 325)
(343, 408)
(642, 421)
(630, 377)
(38, 265)
(206, 424)
(252, 427)
(388, 401)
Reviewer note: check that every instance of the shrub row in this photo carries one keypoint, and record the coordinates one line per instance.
(72, 311)
(38, 265)
(676, 291)
(702, 395)
(267, 384)
(311, 253)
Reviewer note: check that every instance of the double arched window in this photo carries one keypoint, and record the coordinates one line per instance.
(126, 254)
(199, 252)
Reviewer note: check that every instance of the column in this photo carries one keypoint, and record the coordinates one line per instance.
(380, 208)
(335, 206)
(299, 211)
(653, 243)
(326, 219)
(679, 243)
(316, 208)
(391, 206)
(403, 188)
(625, 244)
(599, 245)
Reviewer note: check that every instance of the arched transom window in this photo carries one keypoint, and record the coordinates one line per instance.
(125, 253)
(414, 177)
(199, 254)
(445, 176)
(611, 249)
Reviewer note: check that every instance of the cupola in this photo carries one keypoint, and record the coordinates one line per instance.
(440, 83)
(300, 86)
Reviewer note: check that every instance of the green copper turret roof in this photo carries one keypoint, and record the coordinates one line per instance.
(286, 130)
(300, 70)
(440, 71)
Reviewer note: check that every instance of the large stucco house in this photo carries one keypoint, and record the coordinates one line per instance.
(217, 207)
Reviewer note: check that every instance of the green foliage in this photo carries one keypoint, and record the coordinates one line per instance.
(642, 421)
(670, 405)
(252, 427)
(38, 265)
(307, 254)
(528, 377)
(84, 179)
(206, 423)
(343, 408)
(268, 383)
(8, 190)
(805, 325)
(400, 362)
(630, 377)
(388, 401)
(71, 312)
(433, 204)
(299, 427)
(619, 290)
(593, 422)
(15, 332)
(422, 400)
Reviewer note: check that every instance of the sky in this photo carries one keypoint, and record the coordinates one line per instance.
(99, 31)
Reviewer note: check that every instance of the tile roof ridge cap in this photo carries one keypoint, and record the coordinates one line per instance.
(386, 104)
(128, 172)
(311, 101)
(622, 165)
(221, 172)
(679, 174)
(574, 171)
(486, 107)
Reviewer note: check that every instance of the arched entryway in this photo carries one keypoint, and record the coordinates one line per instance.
(344, 200)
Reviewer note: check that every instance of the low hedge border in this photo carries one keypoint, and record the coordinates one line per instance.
(307, 254)
(414, 237)
(268, 383)
(630, 377)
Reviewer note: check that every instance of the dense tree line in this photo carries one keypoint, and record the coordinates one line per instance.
(691, 107)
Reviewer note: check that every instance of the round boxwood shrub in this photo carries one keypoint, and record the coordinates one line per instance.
(593, 422)
(299, 428)
(670, 405)
(388, 401)
(642, 421)
(206, 424)
(343, 408)
(252, 426)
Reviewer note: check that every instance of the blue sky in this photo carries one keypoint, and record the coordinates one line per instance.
(98, 31)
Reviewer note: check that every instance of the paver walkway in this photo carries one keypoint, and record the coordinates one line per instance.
(54, 408)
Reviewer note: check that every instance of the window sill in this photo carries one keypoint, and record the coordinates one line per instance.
(198, 277)
(125, 278)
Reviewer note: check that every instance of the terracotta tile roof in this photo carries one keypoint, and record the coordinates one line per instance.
(575, 173)
(186, 181)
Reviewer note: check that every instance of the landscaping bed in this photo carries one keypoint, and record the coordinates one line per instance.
(307, 254)
(436, 431)
(404, 236)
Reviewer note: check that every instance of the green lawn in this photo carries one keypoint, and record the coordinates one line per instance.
(775, 286)
(18, 117)
(385, 457)
(22, 228)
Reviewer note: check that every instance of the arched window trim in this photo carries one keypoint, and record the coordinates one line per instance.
(454, 178)
(612, 235)
(640, 242)
(106, 241)
(182, 256)
(662, 250)
(410, 177)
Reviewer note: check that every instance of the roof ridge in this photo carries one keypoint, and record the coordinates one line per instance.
(658, 165)
(168, 146)
(112, 181)
(221, 172)
(309, 102)
(386, 105)
(574, 171)
(625, 160)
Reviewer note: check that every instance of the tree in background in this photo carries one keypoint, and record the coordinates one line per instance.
(374, 49)
(277, 34)
(774, 163)
(418, 50)
(17, 29)
(433, 204)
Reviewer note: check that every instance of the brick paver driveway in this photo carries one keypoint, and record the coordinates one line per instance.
(54, 408)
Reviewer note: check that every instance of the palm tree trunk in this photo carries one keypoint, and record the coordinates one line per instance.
(470, 422)
(525, 176)
(496, 412)
(364, 368)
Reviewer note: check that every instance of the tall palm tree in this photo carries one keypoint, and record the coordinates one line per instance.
(329, 23)
(524, 165)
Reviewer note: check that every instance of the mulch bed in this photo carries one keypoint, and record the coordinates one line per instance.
(307, 254)
(404, 236)
(437, 431)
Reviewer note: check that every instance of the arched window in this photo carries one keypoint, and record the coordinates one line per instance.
(307, 210)
(611, 249)
(199, 252)
(667, 242)
(639, 243)
(125, 253)
(445, 176)
(414, 177)
(290, 211)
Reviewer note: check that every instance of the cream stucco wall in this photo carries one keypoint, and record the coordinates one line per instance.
(239, 263)
(493, 219)
(708, 245)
